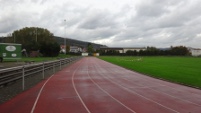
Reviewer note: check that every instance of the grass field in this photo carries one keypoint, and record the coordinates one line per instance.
(184, 70)
(38, 59)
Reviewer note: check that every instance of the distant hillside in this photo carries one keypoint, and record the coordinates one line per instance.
(69, 42)
(73, 42)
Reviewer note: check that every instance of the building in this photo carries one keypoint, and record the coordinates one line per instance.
(75, 49)
(195, 51)
(123, 49)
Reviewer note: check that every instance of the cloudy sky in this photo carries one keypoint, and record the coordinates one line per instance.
(115, 23)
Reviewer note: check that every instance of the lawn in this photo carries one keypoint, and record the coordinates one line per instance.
(38, 59)
(184, 70)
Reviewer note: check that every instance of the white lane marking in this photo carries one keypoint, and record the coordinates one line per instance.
(139, 94)
(146, 79)
(77, 91)
(143, 87)
(176, 97)
(36, 101)
(151, 88)
(110, 95)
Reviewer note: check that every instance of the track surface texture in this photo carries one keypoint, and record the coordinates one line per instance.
(94, 86)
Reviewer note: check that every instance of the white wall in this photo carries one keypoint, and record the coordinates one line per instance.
(85, 54)
(195, 52)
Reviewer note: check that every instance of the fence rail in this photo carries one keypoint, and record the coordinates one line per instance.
(9, 75)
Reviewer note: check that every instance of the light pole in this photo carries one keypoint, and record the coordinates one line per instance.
(36, 34)
(65, 36)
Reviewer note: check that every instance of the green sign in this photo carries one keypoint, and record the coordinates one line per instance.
(10, 51)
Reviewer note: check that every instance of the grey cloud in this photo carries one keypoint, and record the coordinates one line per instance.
(171, 19)
(145, 23)
(155, 8)
(97, 19)
(181, 16)
(90, 35)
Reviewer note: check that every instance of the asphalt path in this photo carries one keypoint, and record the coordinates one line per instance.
(94, 86)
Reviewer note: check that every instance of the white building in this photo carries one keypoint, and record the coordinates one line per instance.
(123, 49)
(195, 52)
(75, 49)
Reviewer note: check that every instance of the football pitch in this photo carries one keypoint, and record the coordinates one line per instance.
(183, 70)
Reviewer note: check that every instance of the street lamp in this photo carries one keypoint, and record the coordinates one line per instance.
(36, 34)
(65, 36)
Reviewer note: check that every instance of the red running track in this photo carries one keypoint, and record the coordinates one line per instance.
(95, 86)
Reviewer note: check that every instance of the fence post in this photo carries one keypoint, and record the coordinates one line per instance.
(53, 67)
(60, 63)
(23, 78)
(43, 70)
(66, 61)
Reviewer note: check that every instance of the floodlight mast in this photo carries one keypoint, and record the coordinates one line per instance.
(36, 34)
(65, 37)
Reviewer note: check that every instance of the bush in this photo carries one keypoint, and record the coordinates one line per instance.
(50, 49)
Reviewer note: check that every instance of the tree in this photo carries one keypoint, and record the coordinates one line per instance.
(34, 39)
(152, 51)
(179, 50)
(90, 48)
(129, 52)
(132, 53)
(50, 49)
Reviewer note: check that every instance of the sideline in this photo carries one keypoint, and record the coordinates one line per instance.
(36, 101)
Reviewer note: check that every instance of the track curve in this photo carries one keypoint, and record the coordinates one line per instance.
(94, 86)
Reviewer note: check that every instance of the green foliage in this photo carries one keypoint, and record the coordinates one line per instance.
(131, 53)
(184, 70)
(151, 51)
(50, 49)
(67, 48)
(34, 39)
(90, 48)
(179, 50)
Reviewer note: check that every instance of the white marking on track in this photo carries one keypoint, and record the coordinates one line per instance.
(176, 97)
(127, 89)
(77, 91)
(36, 101)
(111, 95)
(144, 87)
(151, 88)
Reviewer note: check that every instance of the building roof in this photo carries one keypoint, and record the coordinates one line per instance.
(116, 48)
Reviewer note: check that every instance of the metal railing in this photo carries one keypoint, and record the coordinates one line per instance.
(9, 75)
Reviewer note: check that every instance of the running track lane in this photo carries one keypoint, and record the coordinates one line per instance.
(95, 86)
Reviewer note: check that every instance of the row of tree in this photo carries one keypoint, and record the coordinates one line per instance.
(152, 51)
(35, 39)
